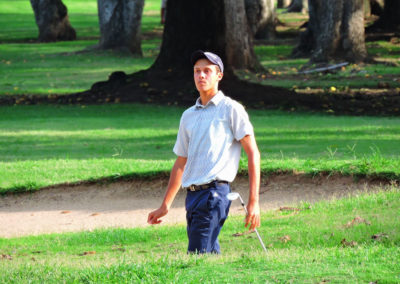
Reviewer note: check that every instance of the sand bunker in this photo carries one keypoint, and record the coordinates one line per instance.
(126, 204)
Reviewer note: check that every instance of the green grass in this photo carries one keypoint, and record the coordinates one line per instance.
(314, 253)
(54, 68)
(82, 15)
(283, 70)
(47, 145)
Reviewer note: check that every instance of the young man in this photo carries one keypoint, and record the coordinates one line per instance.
(208, 146)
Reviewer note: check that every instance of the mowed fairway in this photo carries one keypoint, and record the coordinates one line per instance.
(49, 145)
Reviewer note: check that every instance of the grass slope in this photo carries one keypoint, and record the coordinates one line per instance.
(352, 240)
(47, 145)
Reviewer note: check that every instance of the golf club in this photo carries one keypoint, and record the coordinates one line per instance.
(235, 195)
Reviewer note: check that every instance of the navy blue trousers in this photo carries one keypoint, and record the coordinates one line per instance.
(206, 212)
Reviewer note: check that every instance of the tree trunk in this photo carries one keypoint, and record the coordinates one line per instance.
(390, 18)
(377, 7)
(219, 26)
(214, 25)
(261, 18)
(52, 19)
(283, 3)
(298, 6)
(391, 13)
(367, 8)
(335, 31)
(120, 23)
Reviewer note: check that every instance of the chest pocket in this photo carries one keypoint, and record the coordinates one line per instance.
(221, 127)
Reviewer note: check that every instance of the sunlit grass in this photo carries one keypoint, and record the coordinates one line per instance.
(321, 242)
(45, 145)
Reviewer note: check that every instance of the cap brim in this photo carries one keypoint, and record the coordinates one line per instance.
(198, 54)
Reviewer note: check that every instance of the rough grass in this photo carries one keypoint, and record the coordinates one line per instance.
(352, 240)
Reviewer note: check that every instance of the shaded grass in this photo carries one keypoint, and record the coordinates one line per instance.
(312, 253)
(54, 68)
(283, 70)
(47, 145)
(27, 67)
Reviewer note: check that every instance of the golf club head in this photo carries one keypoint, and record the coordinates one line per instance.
(233, 196)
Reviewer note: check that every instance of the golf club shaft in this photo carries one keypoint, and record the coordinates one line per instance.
(255, 229)
(261, 242)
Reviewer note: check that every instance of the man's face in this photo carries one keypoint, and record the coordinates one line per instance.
(206, 75)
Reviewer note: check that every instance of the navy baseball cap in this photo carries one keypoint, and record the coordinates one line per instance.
(198, 54)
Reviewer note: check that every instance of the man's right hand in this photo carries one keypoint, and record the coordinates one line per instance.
(155, 215)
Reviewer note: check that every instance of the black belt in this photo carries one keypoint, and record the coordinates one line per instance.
(194, 187)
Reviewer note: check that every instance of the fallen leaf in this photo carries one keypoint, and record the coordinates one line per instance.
(87, 253)
(119, 249)
(357, 220)
(285, 239)
(95, 214)
(242, 234)
(348, 244)
(65, 212)
(379, 236)
(284, 208)
(6, 256)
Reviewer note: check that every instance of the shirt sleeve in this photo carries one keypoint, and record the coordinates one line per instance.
(182, 141)
(240, 123)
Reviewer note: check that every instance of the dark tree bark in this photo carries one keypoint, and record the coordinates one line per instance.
(219, 26)
(373, 7)
(214, 25)
(120, 23)
(261, 18)
(298, 6)
(335, 31)
(192, 25)
(390, 18)
(52, 19)
(377, 7)
(283, 3)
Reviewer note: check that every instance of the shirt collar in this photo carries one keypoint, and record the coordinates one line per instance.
(215, 100)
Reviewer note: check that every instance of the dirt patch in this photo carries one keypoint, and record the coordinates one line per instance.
(158, 87)
(126, 204)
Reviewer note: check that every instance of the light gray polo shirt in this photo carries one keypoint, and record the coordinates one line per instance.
(209, 137)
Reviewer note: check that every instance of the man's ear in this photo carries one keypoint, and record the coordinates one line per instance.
(220, 75)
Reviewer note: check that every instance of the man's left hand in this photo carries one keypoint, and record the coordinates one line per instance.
(253, 216)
